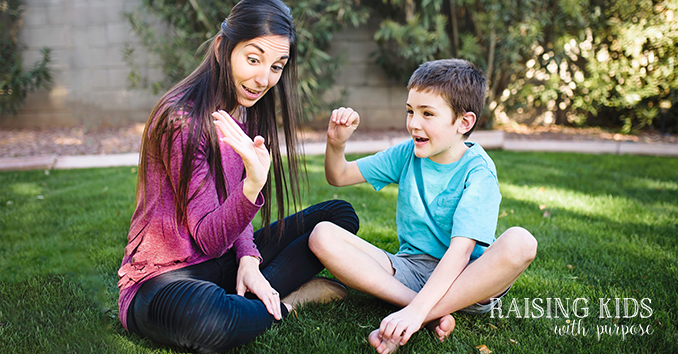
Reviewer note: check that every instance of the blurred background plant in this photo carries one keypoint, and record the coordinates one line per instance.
(609, 63)
(172, 32)
(15, 81)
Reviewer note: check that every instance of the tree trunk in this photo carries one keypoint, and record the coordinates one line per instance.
(455, 28)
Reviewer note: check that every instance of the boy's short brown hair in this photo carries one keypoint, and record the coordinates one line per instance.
(458, 81)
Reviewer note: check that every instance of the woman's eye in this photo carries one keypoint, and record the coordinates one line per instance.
(252, 60)
(277, 68)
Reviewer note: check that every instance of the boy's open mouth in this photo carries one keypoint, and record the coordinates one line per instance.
(420, 140)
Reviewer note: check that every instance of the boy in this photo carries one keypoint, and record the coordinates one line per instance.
(448, 202)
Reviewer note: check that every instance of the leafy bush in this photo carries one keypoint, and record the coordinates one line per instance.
(190, 22)
(596, 62)
(15, 82)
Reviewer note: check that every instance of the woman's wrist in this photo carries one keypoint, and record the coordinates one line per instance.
(251, 190)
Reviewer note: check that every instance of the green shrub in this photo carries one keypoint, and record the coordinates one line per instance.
(596, 62)
(15, 82)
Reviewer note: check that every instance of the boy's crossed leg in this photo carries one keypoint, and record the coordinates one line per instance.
(366, 268)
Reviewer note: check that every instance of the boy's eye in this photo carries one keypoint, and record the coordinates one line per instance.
(409, 111)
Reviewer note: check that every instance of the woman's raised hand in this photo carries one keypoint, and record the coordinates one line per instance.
(254, 154)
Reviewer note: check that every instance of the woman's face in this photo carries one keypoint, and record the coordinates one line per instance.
(257, 65)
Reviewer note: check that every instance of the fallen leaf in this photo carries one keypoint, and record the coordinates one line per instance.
(542, 207)
(503, 213)
(542, 189)
(615, 320)
(483, 349)
(491, 326)
(513, 341)
(547, 214)
(569, 266)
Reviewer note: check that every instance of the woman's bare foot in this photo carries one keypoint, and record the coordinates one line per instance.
(442, 327)
(382, 347)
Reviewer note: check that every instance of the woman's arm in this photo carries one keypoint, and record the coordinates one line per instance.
(213, 225)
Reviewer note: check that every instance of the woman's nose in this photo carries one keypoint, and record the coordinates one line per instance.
(262, 77)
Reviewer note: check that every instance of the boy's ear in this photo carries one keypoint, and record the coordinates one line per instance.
(217, 45)
(468, 120)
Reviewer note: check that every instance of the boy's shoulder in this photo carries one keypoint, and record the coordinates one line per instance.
(477, 157)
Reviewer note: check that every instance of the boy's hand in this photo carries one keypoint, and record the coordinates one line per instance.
(399, 326)
(343, 122)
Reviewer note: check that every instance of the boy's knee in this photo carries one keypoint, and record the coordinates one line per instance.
(522, 244)
(321, 236)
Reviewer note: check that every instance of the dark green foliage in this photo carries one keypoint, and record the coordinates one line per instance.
(15, 81)
(188, 23)
(597, 62)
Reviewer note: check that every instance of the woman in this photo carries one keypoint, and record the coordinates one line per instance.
(192, 255)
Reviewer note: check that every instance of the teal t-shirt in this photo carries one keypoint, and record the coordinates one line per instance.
(463, 197)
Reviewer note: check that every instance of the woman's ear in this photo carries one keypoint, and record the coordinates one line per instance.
(467, 122)
(217, 45)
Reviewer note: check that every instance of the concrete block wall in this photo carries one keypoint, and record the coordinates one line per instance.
(378, 99)
(90, 82)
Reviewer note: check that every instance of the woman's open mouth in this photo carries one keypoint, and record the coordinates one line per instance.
(251, 94)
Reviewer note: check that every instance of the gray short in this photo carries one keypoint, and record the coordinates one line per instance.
(413, 270)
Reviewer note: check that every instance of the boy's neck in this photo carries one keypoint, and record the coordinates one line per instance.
(453, 155)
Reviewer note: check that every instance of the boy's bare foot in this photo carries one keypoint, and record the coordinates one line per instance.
(442, 327)
(382, 346)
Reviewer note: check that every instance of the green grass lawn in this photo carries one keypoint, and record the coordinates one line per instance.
(606, 226)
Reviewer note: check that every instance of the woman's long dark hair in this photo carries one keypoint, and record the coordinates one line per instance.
(189, 104)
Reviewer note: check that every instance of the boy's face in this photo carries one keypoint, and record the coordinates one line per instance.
(429, 121)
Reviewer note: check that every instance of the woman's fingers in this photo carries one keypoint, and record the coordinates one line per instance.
(270, 298)
(230, 127)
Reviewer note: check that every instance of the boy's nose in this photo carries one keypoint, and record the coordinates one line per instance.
(413, 123)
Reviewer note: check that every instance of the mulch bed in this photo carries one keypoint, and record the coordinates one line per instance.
(79, 141)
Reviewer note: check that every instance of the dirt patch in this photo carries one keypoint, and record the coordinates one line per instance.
(80, 141)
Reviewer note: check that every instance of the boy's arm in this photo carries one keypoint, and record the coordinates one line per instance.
(338, 171)
(399, 326)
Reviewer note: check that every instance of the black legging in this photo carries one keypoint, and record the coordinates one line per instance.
(197, 308)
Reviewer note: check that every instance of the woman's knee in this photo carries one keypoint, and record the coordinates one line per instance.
(202, 317)
(342, 215)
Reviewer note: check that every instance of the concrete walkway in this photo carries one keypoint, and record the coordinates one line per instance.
(487, 139)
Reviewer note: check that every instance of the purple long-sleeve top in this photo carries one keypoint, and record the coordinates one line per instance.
(158, 242)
